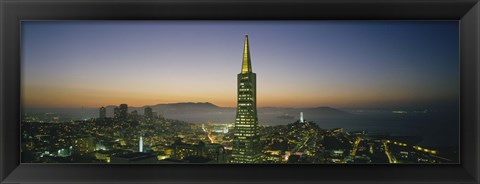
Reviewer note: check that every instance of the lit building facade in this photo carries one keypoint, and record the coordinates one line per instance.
(182, 150)
(246, 140)
(121, 113)
(133, 115)
(116, 113)
(148, 114)
(84, 144)
(103, 113)
(216, 152)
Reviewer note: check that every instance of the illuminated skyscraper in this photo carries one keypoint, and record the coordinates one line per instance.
(148, 114)
(116, 113)
(103, 113)
(133, 115)
(124, 111)
(246, 140)
(121, 113)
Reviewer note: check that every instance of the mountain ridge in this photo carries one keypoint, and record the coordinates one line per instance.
(206, 111)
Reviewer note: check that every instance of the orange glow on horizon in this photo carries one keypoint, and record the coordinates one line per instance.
(53, 97)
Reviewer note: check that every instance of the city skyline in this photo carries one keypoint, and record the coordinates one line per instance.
(203, 133)
(302, 64)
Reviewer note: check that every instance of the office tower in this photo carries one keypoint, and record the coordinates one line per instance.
(103, 113)
(133, 115)
(116, 113)
(246, 140)
(148, 114)
(123, 112)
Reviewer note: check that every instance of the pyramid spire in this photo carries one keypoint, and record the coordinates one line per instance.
(246, 63)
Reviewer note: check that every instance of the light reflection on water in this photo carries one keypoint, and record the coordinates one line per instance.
(436, 129)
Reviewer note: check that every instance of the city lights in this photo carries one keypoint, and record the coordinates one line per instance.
(352, 118)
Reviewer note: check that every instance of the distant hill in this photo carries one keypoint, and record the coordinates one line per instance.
(189, 108)
(180, 108)
(325, 111)
(186, 106)
(205, 111)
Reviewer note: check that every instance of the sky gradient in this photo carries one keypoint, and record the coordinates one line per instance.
(370, 64)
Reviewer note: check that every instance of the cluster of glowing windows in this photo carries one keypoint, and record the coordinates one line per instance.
(247, 115)
(245, 99)
(244, 149)
(244, 125)
(247, 118)
(245, 104)
(246, 96)
(246, 132)
(243, 135)
(242, 111)
(245, 86)
(241, 130)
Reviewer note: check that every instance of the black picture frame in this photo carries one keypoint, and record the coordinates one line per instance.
(14, 11)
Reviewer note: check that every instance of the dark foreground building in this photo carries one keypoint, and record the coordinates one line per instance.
(246, 141)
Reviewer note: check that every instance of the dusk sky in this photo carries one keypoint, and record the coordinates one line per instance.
(298, 63)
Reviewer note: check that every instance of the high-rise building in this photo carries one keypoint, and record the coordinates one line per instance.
(103, 113)
(121, 113)
(133, 115)
(116, 113)
(148, 114)
(246, 140)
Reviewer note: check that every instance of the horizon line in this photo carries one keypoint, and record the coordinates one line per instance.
(298, 107)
